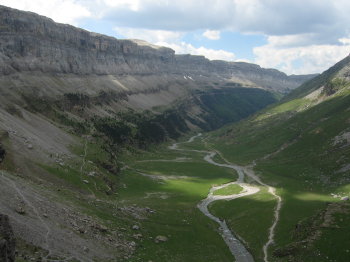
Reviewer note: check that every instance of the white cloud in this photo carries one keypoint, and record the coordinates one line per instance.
(152, 36)
(133, 5)
(172, 40)
(212, 54)
(344, 41)
(300, 60)
(62, 11)
(212, 34)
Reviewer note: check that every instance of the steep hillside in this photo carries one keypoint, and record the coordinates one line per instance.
(50, 59)
(301, 146)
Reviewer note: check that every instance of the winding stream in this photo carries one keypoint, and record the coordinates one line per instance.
(236, 247)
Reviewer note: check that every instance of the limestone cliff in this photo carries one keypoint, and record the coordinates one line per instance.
(30, 42)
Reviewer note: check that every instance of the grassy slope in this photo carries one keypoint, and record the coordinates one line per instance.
(304, 171)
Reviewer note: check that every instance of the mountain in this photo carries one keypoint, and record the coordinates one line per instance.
(301, 146)
(57, 69)
(76, 107)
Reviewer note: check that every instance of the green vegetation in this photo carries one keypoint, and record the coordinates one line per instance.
(174, 189)
(141, 129)
(228, 190)
(300, 146)
(227, 105)
(249, 217)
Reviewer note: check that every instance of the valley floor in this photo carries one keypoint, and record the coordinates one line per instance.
(167, 171)
(264, 220)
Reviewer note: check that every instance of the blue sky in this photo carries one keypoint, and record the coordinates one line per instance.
(294, 36)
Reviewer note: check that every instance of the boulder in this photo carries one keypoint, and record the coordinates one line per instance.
(135, 227)
(159, 239)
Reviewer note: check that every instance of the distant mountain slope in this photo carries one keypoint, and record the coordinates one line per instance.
(302, 146)
(320, 80)
(57, 69)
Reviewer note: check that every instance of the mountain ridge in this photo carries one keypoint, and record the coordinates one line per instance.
(35, 43)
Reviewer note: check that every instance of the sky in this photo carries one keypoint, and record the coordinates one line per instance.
(294, 36)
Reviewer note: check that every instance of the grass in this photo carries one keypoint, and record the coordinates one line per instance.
(340, 232)
(304, 172)
(249, 217)
(229, 190)
(192, 236)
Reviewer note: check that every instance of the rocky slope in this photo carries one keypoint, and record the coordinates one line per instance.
(7, 240)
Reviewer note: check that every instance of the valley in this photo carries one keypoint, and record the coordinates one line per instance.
(121, 150)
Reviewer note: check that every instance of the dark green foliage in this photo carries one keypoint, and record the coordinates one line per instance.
(53, 109)
(2, 153)
(104, 97)
(38, 104)
(142, 128)
(117, 130)
(75, 99)
(78, 127)
(230, 105)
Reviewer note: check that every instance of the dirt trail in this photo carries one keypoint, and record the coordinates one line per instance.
(249, 172)
(276, 219)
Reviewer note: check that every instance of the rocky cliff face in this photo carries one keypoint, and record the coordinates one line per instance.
(30, 42)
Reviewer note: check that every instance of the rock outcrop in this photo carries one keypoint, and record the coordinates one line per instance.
(7, 240)
(2, 153)
(30, 42)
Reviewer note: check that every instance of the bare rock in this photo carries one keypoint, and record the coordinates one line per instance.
(101, 228)
(160, 239)
(20, 210)
(346, 198)
(135, 227)
(82, 52)
(92, 173)
(137, 236)
(7, 240)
